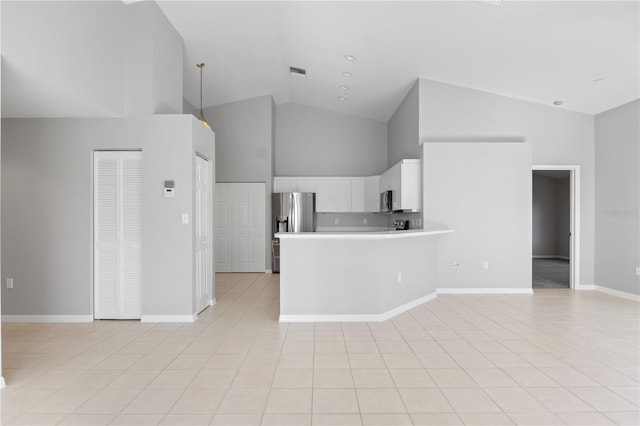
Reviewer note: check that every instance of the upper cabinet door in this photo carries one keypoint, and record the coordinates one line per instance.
(372, 194)
(327, 195)
(357, 195)
(306, 185)
(284, 184)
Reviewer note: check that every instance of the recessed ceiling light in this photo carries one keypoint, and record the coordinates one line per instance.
(347, 74)
(350, 57)
(298, 71)
(557, 103)
(344, 87)
(342, 98)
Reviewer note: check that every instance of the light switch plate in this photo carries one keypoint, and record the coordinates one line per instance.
(185, 218)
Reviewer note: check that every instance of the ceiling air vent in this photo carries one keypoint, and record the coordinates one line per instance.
(298, 71)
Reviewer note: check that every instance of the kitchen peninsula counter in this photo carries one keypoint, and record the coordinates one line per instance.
(356, 276)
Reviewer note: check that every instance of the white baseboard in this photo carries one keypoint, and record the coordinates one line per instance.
(47, 318)
(550, 256)
(485, 291)
(359, 317)
(212, 302)
(268, 271)
(3, 384)
(585, 287)
(617, 293)
(168, 318)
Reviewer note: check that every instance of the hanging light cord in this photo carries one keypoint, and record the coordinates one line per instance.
(201, 118)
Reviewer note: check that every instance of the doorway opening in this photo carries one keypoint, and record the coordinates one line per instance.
(555, 227)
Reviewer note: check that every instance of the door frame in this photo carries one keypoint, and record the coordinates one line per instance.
(574, 218)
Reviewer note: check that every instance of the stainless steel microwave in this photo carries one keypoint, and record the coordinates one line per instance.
(386, 202)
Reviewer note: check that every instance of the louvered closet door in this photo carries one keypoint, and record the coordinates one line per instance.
(118, 234)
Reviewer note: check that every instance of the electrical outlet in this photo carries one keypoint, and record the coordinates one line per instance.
(456, 265)
(9, 282)
(364, 220)
(485, 265)
(336, 221)
(638, 270)
(399, 277)
(185, 218)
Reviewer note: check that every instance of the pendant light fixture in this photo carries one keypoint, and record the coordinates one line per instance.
(201, 117)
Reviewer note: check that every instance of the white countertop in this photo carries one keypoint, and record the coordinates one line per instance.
(372, 235)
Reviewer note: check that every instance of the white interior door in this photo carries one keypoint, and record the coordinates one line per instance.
(256, 227)
(223, 227)
(203, 273)
(240, 222)
(240, 227)
(117, 234)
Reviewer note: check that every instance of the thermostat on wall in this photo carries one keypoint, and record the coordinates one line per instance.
(169, 188)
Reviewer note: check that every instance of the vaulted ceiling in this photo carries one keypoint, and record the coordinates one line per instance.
(585, 54)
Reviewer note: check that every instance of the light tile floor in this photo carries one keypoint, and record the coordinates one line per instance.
(555, 357)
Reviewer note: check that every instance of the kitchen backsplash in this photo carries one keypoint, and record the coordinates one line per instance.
(364, 221)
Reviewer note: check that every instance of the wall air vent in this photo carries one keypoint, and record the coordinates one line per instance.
(301, 72)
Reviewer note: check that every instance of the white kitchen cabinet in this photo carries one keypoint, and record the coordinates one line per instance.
(336, 194)
(294, 184)
(357, 195)
(306, 185)
(284, 184)
(372, 194)
(333, 195)
(403, 180)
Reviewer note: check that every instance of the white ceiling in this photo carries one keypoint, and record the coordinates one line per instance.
(540, 51)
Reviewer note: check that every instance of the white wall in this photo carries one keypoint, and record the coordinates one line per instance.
(47, 171)
(244, 148)
(403, 127)
(556, 136)
(483, 191)
(618, 198)
(315, 142)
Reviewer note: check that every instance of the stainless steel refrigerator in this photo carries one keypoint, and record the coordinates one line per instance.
(290, 212)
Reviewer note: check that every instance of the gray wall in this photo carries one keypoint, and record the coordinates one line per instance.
(403, 126)
(545, 216)
(483, 191)
(47, 169)
(550, 216)
(97, 59)
(187, 108)
(564, 217)
(154, 62)
(76, 46)
(244, 148)
(557, 136)
(316, 142)
(618, 198)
